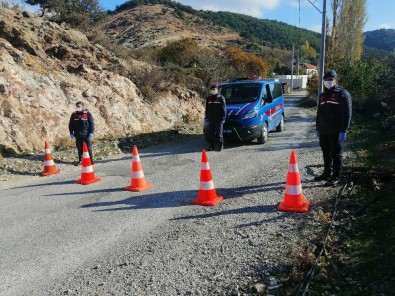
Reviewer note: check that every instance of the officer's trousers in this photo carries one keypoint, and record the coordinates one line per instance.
(215, 133)
(332, 151)
(79, 143)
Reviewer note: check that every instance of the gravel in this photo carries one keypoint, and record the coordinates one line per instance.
(244, 246)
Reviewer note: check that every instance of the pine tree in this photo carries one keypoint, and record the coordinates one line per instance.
(74, 12)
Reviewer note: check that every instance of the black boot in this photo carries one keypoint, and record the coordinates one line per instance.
(333, 181)
(219, 147)
(324, 176)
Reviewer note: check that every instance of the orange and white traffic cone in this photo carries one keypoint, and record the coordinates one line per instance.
(137, 182)
(293, 197)
(207, 194)
(87, 174)
(49, 165)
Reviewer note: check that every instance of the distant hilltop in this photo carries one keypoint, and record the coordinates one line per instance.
(381, 39)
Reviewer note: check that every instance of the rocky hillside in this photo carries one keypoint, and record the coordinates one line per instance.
(45, 68)
(154, 25)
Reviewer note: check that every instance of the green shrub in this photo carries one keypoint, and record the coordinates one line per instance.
(150, 81)
(180, 14)
(369, 82)
(312, 88)
(64, 143)
(180, 52)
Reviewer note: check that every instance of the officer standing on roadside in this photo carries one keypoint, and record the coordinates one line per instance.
(215, 115)
(333, 120)
(82, 128)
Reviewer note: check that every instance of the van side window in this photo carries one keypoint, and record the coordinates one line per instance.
(277, 91)
(264, 96)
(269, 97)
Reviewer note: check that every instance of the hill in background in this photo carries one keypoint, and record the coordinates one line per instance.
(381, 39)
(175, 20)
(156, 24)
(266, 32)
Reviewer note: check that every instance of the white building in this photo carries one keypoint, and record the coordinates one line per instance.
(298, 81)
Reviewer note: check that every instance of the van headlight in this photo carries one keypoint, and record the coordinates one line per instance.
(251, 114)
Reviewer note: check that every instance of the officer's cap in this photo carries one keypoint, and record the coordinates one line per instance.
(214, 86)
(80, 103)
(330, 74)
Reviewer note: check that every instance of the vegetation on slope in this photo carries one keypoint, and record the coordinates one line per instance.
(274, 33)
(382, 39)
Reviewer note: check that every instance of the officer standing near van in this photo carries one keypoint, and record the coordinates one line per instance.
(82, 128)
(332, 121)
(215, 115)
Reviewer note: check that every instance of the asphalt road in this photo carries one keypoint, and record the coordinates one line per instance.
(51, 226)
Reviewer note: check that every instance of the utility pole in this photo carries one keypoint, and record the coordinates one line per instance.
(322, 54)
(299, 41)
(322, 50)
(292, 68)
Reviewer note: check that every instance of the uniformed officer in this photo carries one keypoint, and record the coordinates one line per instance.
(215, 115)
(82, 128)
(333, 120)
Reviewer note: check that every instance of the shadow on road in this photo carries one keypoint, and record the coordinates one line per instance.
(146, 201)
(195, 143)
(45, 184)
(240, 191)
(166, 199)
(108, 190)
(290, 146)
(22, 173)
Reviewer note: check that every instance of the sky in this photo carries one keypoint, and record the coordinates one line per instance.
(380, 13)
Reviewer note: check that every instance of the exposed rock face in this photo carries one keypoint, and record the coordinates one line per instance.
(45, 69)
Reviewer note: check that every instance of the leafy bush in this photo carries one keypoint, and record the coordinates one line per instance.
(245, 64)
(180, 14)
(312, 88)
(150, 81)
(369, 82)
(180, 52)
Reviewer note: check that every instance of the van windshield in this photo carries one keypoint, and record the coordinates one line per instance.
(241, 93)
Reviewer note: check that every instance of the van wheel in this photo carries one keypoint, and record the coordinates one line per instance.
(280, 126)
(262, 139)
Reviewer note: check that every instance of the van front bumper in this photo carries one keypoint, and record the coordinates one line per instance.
(236, 131)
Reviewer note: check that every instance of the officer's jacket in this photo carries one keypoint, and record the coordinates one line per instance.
(215, 108)
(334, 111)
(81, 123)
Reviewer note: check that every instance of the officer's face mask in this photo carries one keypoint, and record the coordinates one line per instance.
(213, 91)
(329, 83)
(78, 108)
